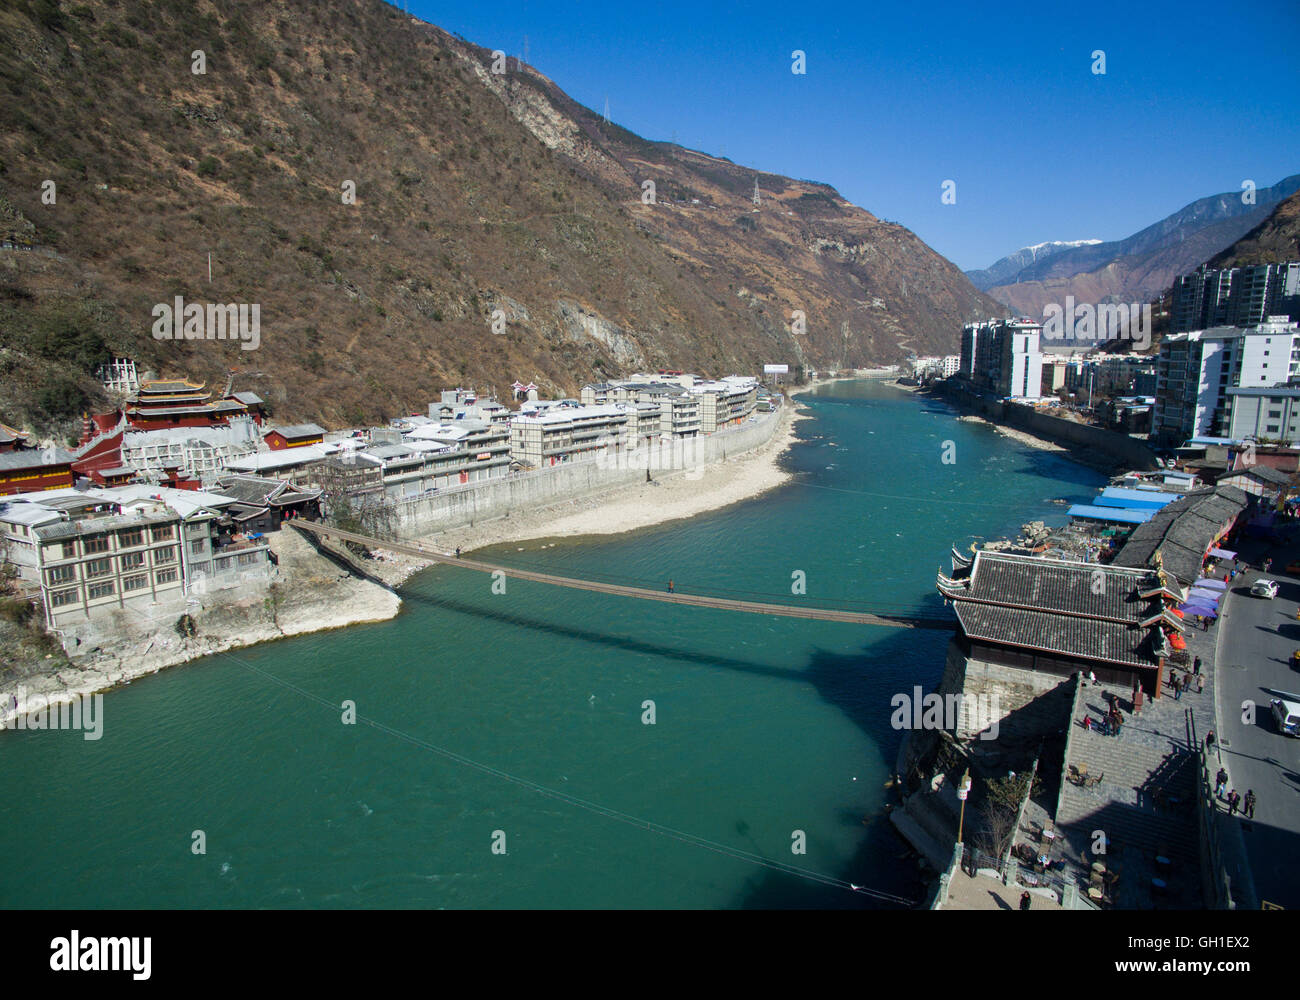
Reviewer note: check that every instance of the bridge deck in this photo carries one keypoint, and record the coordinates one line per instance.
(695, 600)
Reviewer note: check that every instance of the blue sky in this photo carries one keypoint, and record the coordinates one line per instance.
(899, 97)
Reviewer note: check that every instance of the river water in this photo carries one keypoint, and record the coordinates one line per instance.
(501, 755)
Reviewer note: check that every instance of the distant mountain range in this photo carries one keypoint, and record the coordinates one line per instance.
(1006, 269)
(1135, 269)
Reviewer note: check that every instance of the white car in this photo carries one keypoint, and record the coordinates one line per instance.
(1264, 588)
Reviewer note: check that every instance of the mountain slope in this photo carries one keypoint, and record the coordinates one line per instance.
(477, 197)
(1140, 267)
(1277, 238)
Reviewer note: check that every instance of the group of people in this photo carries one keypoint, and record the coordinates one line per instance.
(1234, 798)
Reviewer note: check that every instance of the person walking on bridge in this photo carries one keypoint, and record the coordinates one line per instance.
(670, 587)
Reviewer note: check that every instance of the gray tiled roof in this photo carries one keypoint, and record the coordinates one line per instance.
(1064, 587)
(299, 430)
(1183, 531)
(1263, 473)
(1047, 632)
(31, 458)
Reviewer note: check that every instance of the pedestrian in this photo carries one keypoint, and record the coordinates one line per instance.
(1209, 741)
(1225, 578)
(1250, 803)
(1025, 900)
(1234, 800)
(1220, 783)
(670, 587)
(1196, 663)
(1233, 575)
(457, 551)
(1179, 684)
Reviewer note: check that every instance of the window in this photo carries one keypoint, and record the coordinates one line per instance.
(162, 532)
(198, 546)
(167, 576)
(97, 590)
(246, 558)
(130, 539)
(96, 543)
(99, 567)
(61, 574)
(166, 555)
(132, 560)
(135, 583)
(62, 598)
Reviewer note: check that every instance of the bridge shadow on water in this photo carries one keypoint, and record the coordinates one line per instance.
(861, 686)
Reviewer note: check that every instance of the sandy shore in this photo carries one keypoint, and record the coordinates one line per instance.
(1015, 434)
(669, 497)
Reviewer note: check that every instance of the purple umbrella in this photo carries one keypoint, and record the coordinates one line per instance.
(1205, 594)
(1200, 609)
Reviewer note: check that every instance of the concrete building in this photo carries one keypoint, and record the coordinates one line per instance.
(725, 403)
(1264, 414)
(563, 434)
(1195, 370)
(101, 551)
(1003, 356)
(1239, 296)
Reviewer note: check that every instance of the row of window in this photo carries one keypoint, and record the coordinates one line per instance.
(107, 588)
(104, 567)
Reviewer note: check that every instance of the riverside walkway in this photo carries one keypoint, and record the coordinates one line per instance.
(944, 623)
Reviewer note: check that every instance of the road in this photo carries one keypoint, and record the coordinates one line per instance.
(1253, 665)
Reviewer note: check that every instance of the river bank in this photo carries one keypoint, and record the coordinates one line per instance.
(314, 592)
(1100, 449)
(665, 498)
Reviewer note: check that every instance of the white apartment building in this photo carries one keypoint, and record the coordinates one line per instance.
(564, 433)
(1195, 370)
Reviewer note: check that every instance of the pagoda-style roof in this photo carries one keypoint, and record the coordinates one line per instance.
(168, 386)
(1086, 590)
(1059, 635)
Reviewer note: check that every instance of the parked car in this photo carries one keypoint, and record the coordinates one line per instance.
(1287, 716)
(1264, 588)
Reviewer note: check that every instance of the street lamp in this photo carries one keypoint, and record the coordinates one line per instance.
(963, 792)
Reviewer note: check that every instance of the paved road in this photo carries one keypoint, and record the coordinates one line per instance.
(1254, 650)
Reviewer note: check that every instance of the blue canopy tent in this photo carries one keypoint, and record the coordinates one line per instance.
(1205, 581)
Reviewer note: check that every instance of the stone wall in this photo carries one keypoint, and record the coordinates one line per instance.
(463, 505)
(1132, 452)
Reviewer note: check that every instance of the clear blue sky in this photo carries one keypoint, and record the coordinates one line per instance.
(899, 97)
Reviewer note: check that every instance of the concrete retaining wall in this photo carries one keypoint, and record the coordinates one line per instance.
(1127, 450)
(462, 505)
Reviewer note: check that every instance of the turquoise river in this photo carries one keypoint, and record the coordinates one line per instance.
(500, 758)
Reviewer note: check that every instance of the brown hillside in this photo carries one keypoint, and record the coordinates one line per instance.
(1277, 238)
(474, 193)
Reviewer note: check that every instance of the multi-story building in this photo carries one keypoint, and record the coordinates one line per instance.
(565, 433)
(1195, 370)
(1238, 296)
(1003, 356)
(1264, 414)
(95, 552)
(725, 403)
